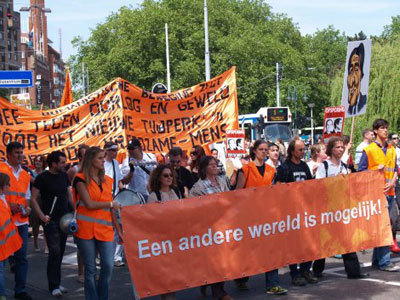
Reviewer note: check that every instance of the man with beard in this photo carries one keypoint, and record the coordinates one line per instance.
(55, 191)
(355, 74)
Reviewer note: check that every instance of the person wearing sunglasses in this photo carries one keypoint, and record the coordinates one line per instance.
(162, 186)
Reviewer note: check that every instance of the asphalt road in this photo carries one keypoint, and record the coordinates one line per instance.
(334, 284)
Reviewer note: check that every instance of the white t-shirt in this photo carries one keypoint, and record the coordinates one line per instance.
(140, 177)
(311, 165)
(359, 150)
(333, 170)
(270, 163)
(110, 171)
(398, 156)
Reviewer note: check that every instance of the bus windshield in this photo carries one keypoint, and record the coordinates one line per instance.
(278, 131)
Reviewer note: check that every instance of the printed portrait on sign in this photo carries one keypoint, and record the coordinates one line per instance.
(356, 79)
(329, 126)
(338, 124)
(232, 144)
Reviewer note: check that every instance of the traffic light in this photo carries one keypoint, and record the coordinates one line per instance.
(260, 124)
(9, 20)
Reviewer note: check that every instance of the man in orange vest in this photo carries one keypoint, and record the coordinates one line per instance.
(18, 197)
(379, 155)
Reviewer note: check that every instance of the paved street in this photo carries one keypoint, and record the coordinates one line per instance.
(334, 285)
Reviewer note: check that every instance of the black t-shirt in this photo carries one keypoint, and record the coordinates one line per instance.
(291, 172)
(261, 169)
(184, 179)
(50, 186)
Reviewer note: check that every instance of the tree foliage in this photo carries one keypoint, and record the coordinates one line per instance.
(246, 34)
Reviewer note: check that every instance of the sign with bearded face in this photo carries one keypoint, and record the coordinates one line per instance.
(356, 78)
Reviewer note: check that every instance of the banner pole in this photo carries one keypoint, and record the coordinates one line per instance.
(352, 128)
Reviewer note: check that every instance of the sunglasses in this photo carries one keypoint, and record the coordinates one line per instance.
(193, 153)
(175, 161)
(167, 175)
(395, 138)
(113, 150)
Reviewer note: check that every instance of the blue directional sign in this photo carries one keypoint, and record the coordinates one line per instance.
(16, 79)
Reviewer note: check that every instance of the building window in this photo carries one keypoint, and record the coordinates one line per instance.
(9, 56)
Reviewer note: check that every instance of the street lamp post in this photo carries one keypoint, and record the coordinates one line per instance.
(292, 96)
(311, 106)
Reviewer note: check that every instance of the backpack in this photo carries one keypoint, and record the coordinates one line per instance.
(175, 189)
(342, 164)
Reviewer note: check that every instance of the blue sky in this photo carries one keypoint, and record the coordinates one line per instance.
(76, 17)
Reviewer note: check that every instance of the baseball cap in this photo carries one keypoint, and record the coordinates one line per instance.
(133, 144)
(110, 146)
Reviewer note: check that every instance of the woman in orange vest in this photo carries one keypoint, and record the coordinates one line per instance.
(259, 173)
(96, 221)
(10, 241)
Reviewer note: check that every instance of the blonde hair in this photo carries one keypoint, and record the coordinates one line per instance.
(87, 163)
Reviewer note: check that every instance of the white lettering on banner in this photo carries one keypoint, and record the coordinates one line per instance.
(335, 109)
(156, 248)
(365, 209)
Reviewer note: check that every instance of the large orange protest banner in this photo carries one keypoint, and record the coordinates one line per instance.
(186, 243)
(198, 115)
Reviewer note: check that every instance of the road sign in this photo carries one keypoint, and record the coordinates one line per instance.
(16, 79)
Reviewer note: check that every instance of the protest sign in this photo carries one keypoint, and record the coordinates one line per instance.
(249, 231)
(333, 122)
(22, 100)
(199, 115)
(235, 142)
(356, 78)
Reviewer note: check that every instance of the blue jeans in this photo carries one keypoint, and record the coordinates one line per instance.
(381, 255)
(21, 263)
(2, 279)
(271, 279)
(87, 249)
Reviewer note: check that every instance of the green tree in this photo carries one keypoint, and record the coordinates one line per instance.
(131, 44)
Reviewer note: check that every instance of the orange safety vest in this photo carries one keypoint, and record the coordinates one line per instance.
(10, 241)
(17, 191)
(377, 157)
(254, 178)
(95, 223)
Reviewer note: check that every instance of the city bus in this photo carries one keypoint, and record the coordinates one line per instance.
(270, 123)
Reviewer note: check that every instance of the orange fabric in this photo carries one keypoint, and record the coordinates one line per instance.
(93, 229)
(119, 111)
(10, 241)
(254, 178)
(157, 247)
(18, 188)
(67, 97)
(377, 157)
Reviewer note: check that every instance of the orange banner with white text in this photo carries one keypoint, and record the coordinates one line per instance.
(186, 243)
(199, 115)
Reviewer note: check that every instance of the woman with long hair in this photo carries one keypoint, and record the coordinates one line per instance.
(96, 221)
(209, 183)
(196, 154)
(259, 173)
(162, 187)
